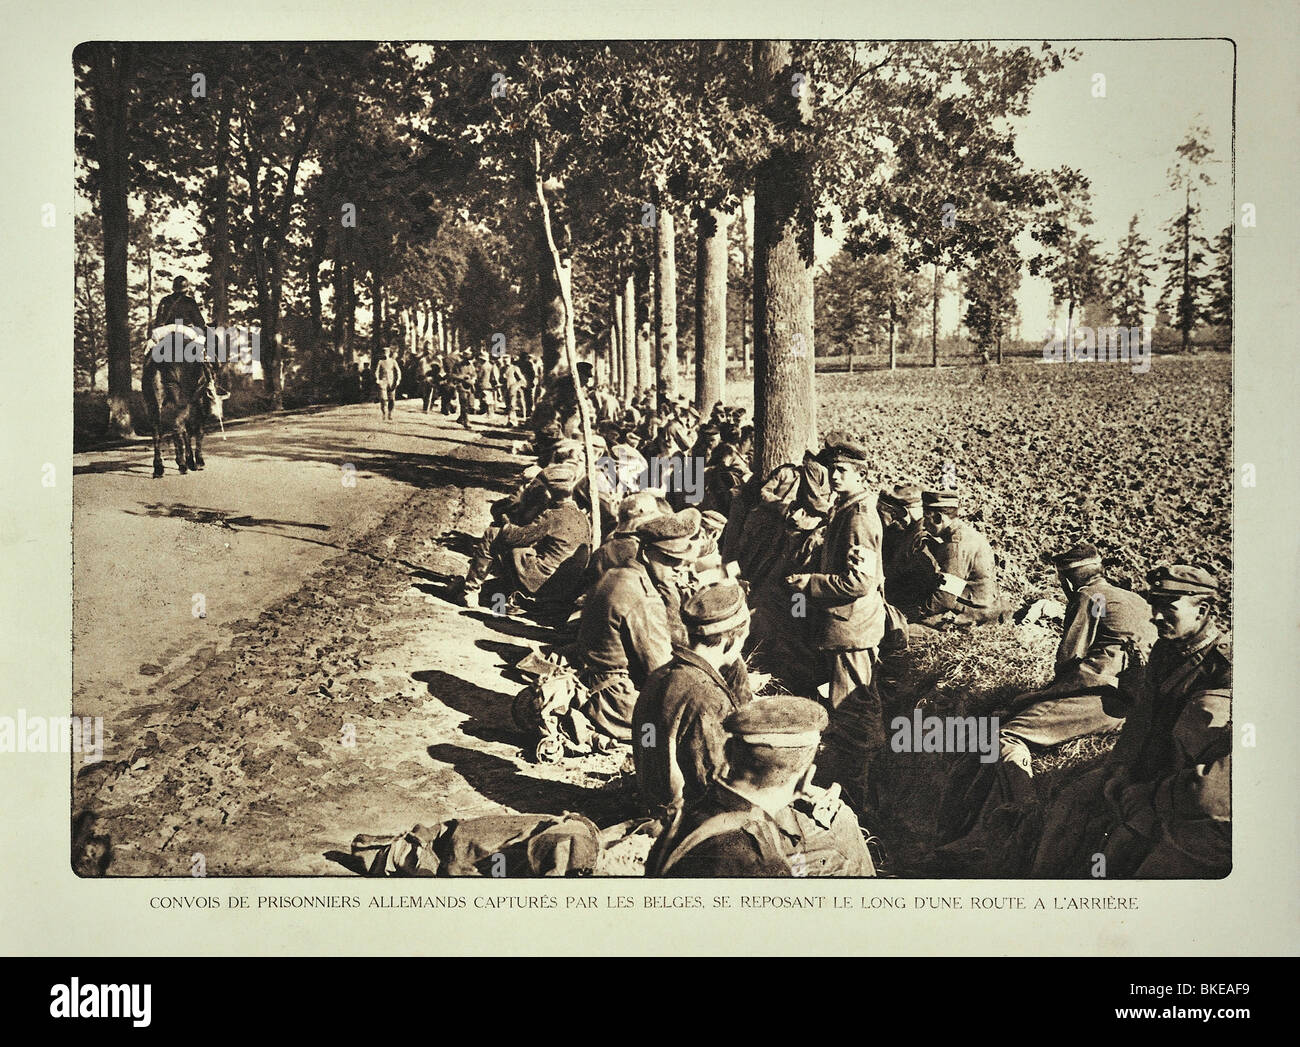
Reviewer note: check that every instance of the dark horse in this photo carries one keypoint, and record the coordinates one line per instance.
(189, 389)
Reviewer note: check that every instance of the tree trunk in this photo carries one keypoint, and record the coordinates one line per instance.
(219, 242)
(711, 310)
(934, 318)
(376, 316)
(746, 326)
(110, 78)
(999, 349)
(441, 333)
(1185, 320)
(893, 355)
(785, 407)
(631, 374)
(644, 356)
(551, 304)
(563, 276)
(616, 344)
(665, 300)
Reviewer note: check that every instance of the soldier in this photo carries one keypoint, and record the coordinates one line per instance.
(531, 553)
(1107, 630)
(966, 590)
(1162, 794)
(732, 829)
(677, 737)
(910, 569)
(623, 634)
(515, 382)
(847, 611)
(179, 307)
(388, 376)
(623, 546)
(466, 381)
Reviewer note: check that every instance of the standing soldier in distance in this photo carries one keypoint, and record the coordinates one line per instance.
(388, 375)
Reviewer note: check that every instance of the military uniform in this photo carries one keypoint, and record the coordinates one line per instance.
(1106, 629)
(1167, 807)
(546, 556)
(724, 833)
(967, 591)
(388, 376)
(910, 569)
(179, 307)
(677, 736)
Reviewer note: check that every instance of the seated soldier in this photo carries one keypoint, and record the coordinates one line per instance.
(761, 816)
(965, 592)
(1106, 628)
(622, 545)
(544, 553)
(910, 569)
(677, 737)
(1159, 806)
(623, 634)
(723, 478)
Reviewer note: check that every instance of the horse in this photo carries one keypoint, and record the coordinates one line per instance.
(188, 385)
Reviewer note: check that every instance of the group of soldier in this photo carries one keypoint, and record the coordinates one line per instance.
(813, 574)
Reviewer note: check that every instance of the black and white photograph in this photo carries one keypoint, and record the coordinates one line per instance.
(669, 458)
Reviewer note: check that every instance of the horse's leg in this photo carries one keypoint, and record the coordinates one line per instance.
(178, 438)
(157, 442)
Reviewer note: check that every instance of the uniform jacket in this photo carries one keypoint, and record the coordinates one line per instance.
(1103, 623)
(179, 307)
(848, 606)
(1181, 746)
(539, 548)
(910, 568)
(749, 843)
(968, 583)
(677, 735)
(624, 624)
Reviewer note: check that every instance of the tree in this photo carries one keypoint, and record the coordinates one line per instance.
(1185, 252)
(1219, 308)
(106, 70)
(991, 290)
(1069, 261)
(1130, 278)
(88, 295)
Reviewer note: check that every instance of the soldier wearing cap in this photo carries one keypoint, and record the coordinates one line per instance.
(541, 554)
(623, 545)
(909, 567)
(1108, 633)
(624, 633)
(677, 736)
(966, 589)
(732, 829)
(1162, 794)
(388, 376)
(846, 607)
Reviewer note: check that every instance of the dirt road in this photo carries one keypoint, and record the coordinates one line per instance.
(328, 687)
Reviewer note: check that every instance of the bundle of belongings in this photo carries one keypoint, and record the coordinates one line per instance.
(493, 845)
(549, 708)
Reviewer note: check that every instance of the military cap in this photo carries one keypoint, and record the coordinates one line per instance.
(939, 499)
(783, 722)
(1084, 554)
(712, 520)
(905, 495)
(672, 534)
(690, 411)
(841, 445)
(1174, 580)
(560, 477)
(814, 494)
(715, 608)
(639, 507)
(566, 450)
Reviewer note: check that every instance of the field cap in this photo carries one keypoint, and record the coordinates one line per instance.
(713, 521)
(939, 499)
(672, 535)
(1084, 554)
(715, 608)
(840, 445)
(560, 477)
(782, 722)
(1174, 580)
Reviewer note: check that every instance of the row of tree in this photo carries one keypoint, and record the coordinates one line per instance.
(548, 190)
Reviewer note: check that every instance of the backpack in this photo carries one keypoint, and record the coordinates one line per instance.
(550, 710)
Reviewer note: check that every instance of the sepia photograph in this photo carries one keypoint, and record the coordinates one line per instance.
(670, 458)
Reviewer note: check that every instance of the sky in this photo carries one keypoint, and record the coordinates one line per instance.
(1125, 142)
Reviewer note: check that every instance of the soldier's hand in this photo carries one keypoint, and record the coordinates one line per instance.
(797, 582)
